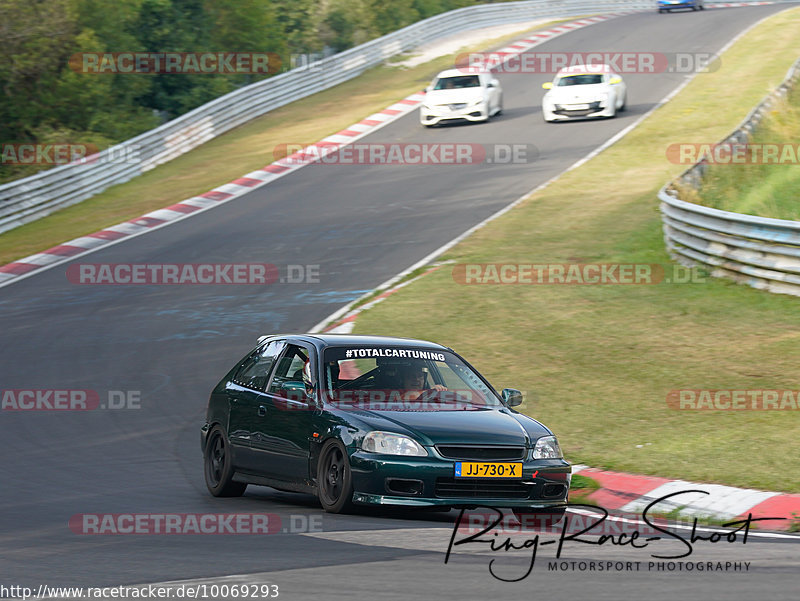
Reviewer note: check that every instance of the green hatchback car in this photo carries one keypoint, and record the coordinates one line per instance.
(368, 420)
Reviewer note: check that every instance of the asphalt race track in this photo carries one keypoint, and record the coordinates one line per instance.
(168, 345)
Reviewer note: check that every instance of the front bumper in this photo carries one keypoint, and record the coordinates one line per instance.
(597, 108)
(436, 114)
(429, 482)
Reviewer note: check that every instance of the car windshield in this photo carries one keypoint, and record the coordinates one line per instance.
(458, 82)
(403, 379)
(581, 80)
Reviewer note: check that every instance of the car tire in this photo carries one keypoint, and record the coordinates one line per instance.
(532, 519)
(334, 478)
(218, 467)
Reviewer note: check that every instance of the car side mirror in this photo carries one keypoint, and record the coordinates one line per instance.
(547, 85)
(511, 396)
(616, 80)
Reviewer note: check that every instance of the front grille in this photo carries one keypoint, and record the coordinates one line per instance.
(475, 489)
(569, 109)
(481, 453)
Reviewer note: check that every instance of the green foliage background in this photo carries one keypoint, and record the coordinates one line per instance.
(44, 101)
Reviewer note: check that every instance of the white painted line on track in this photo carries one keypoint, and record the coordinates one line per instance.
(29, 266)
(333, 317)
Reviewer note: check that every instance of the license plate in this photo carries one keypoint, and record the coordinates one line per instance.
(470, 469)
(578, 107)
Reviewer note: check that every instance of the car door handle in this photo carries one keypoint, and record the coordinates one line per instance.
(262, 410)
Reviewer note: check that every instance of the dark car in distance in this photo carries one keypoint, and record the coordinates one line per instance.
(368, 420)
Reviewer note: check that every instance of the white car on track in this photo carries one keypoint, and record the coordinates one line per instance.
(583, 91)
(458, 94)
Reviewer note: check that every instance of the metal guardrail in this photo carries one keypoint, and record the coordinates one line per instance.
(33, 197)
(759, 251)
(36, 196)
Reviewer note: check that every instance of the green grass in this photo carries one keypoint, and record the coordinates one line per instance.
(597, 362)
(581, 487)
(233, 154)
(584, 482)
(767, 190)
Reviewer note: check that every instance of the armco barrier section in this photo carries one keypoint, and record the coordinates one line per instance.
(34, 197)
(758, 251)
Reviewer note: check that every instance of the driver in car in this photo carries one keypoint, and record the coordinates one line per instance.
(414, 379)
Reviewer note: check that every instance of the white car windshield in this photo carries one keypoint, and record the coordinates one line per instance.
(403, 379)
(580, 80)
(458, 82)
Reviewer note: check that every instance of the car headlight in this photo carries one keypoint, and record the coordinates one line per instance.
(392, 444)
(547, 448)
(425, 107)
(478, 101)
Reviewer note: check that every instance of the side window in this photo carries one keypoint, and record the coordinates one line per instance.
(254, 372)
(289, 370)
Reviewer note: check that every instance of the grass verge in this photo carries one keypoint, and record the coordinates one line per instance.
(769, 189)
(580, 488)
(233, 154)
(602, 359)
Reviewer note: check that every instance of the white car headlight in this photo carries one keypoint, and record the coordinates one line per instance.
(547, 448)
(477, 101)
(392, 444)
